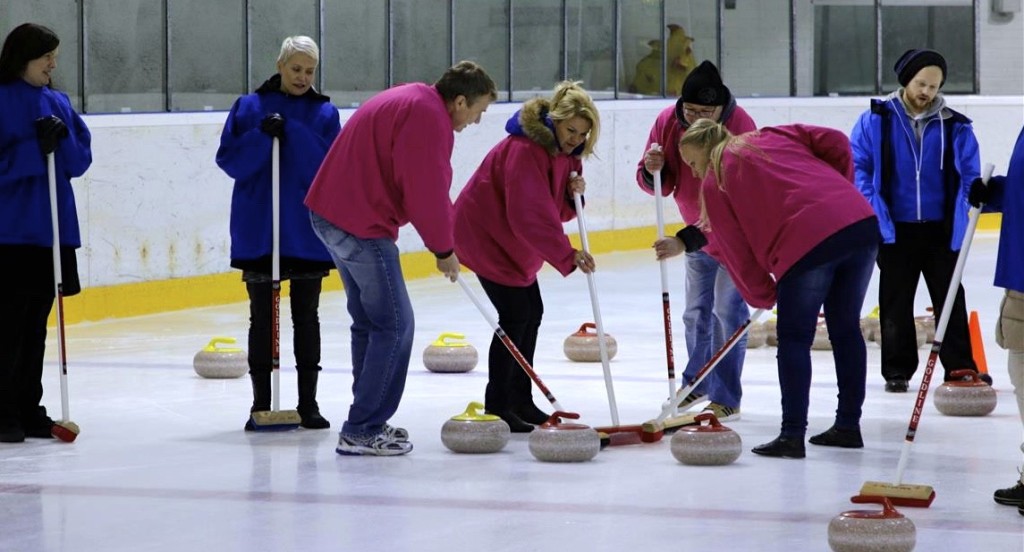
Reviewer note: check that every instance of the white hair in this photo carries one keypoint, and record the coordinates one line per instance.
(298, 45)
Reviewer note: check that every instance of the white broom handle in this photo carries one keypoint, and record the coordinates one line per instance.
(659, 209)
(275, 263)
(58, 283)
(592, 283)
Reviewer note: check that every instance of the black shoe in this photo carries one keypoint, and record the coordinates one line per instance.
(782, 447)
(531, 414)
(838, 437)
(896, 385)
(37, 424)
(1012, 496)
(986, 378)
(311, 419)
(515, 423)
(12, 433)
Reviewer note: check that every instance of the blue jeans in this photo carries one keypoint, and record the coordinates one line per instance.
(382, 324)
(839, 282)
(714, 309)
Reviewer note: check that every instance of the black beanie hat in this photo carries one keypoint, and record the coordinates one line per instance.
(913, 61)
(703, 86)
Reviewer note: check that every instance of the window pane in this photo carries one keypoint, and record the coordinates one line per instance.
(422, 40)
(641, 49)
(536, 47)
(200, 81)
(124, 48)
(481, 35)
(272, 21)
(692, 38)
(948, 30)
(354, 58)
(591, 45)
(755, 48)
(844, 50)
(62, 17)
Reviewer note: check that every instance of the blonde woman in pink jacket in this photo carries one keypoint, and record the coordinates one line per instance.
(508, 223)
(793, 232)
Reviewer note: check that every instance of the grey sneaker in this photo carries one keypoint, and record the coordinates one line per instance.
(381, 444)
(691, 400)
(399, 434)
(722, 412)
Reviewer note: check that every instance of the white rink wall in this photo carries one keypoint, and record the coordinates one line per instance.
(155, 206)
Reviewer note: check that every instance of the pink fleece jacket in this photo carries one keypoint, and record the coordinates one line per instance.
(787, 190)
(390, 165)
(508, 218)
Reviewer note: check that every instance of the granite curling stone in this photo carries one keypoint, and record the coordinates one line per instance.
(556, 441)
(706, 445)
(872, 530)
(450, 353)
(771, 335)
(871, 325)
(221, 362)
(474, 432)
(757, 336)
(583, 346)
(821, 341)
(965, 397)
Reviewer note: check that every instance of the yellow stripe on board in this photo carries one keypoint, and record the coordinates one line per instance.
(125, 300)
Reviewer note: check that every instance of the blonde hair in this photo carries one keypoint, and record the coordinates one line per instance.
(711, 138)
(298, 45)
(571, 100)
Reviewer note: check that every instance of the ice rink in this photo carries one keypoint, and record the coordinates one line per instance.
(162, 463)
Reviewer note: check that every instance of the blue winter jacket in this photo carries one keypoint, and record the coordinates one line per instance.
(311, 124)
(24, 185)
(1008, 197)
(927, 180)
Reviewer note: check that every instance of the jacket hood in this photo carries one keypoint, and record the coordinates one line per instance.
(532, 121)
(273, 84)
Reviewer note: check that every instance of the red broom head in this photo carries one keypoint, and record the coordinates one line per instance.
(65, 430)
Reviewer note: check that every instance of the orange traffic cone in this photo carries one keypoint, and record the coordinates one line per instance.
(978, 348)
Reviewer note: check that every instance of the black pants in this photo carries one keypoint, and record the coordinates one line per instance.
(520, 310)
(23, 317)
(305, 304)
(920, 249)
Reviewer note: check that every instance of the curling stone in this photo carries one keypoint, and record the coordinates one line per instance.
(706, 445)
(583, 345)
(971, 397)
(771, 335)
(474, 432)
(555, 441)
(925, 326)
(757, 336)
(872, 530)
(870, 326)
(449, 353)
(821, 341)
(221, 362)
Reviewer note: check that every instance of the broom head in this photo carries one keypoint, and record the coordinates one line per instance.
(914, 496)
(275, 420)
(65, 430)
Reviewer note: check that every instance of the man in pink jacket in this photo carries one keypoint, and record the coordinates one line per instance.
(793, 231)
(391, 165)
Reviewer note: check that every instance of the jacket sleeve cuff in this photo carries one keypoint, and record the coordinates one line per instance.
(444, 255)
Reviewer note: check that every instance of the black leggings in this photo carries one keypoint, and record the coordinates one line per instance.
(520, 310)
(22, 346)
(305, 303)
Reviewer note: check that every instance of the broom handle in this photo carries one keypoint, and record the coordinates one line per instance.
(940, 331)
(275, 274)
(58, 286)
(508, 344)
(592, 283)
(666, 308)
(670, 407)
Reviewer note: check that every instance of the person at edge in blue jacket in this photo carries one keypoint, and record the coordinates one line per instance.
(288, 108)
(37, 120)
(914, 159)
(1006, 194)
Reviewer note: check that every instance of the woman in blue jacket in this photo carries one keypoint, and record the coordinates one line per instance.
(288, 108)
(37, 120)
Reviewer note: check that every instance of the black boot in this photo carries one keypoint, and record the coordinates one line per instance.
(515, 423)
(260, 395)
(309, 411)
(529, 413)
(782, 447)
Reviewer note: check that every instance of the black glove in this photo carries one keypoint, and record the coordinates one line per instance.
(273, 124)
(693, 239)
(979, 193)
(50, 131)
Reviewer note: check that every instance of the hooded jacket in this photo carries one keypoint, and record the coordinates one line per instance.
(1008, 198)
(508, 218)
(784, 192)
(311, 124)
(915, 170)
(677, 179)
